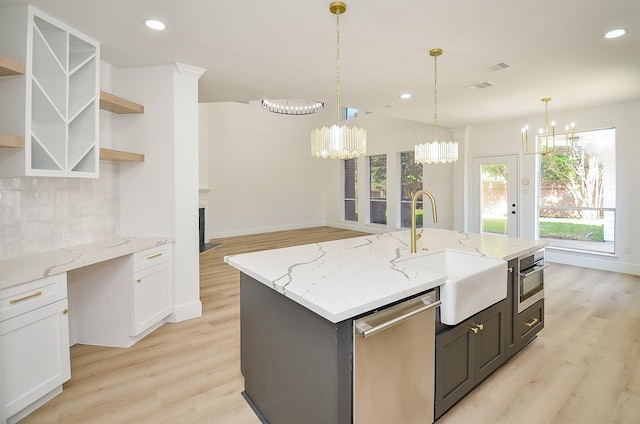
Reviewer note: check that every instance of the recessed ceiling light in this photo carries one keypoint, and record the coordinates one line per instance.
(615, 33)
(405, 96)
(155, 24)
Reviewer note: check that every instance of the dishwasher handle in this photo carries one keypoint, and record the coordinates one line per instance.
(366, 330)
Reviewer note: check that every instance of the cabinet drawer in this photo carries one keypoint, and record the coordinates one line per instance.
(529, 322)
(150, 257)
(26, 297)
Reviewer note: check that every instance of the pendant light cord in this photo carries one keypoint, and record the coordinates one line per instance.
(435, 96)
(338, 67)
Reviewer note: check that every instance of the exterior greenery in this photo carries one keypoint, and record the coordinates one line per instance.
(565, 229)
(574, 175)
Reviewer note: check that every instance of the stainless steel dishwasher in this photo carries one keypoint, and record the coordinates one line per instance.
(394, 360)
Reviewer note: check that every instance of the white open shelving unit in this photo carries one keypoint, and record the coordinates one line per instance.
(62, 91)
(53, 88)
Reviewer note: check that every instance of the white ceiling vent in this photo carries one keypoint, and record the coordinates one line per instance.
(480, 85)
(495, 67)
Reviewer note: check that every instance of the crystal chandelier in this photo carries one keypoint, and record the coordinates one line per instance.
(338, 141)
(436, 151)
(545, 148)
(292, 106)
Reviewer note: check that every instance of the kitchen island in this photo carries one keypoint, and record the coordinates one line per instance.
(298, 305)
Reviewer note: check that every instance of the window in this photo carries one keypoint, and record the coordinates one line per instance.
(410, 183)
(378, 190)
(350, 190)
(351, 112)
(578, 193)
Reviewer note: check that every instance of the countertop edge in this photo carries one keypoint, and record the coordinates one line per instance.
(22, 269)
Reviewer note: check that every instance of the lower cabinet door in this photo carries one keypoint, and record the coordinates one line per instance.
(467, 354)
(34, 352)
(152, 296)
(454, 367)
(490, 341)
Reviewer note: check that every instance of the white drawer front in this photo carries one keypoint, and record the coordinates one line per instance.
(150, 257)
(26, 297)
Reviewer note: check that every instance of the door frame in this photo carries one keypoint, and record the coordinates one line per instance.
(513, 161)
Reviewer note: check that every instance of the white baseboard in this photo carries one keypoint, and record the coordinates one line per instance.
(587, 260)
(185, 312)
(260, 230)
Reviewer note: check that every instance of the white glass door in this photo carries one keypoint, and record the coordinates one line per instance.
(494, 195)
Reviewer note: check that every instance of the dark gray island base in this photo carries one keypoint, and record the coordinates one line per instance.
(296, 364)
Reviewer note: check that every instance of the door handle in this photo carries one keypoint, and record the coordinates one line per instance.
(476, 327)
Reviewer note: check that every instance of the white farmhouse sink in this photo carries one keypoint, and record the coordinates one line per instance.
(474, 282)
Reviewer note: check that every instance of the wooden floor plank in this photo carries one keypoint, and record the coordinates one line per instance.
(584, 367)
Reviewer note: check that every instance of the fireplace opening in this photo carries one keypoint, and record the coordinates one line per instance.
(204, 245)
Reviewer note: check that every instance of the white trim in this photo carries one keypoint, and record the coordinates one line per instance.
(203, 198)
(365, 228)
(185, 312)
(588, 260)
(189, 70)
(260, 230)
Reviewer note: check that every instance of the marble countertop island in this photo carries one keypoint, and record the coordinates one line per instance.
(22, 269)
(344, 278)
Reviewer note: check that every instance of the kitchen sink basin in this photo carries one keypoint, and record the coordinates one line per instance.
(474, 282)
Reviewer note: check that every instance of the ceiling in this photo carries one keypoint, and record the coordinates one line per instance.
(254, 49)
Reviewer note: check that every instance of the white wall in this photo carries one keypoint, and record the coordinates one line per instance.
(262, 177)
(160, 196)
(505, 138)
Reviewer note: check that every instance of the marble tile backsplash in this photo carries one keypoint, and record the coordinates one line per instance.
(39, 214)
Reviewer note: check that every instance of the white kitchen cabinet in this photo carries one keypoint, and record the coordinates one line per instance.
(118, 302)
(34, 345)
(152, 289)
(57, 102)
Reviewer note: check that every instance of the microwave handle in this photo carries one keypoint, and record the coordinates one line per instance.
(525, 275)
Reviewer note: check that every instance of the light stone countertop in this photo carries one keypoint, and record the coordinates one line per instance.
(344, 278)
(22, 269)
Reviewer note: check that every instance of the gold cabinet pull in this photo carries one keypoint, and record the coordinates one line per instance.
(32, 295)
(531, 322)
(474, 329)
(154, 256)
(480, 326)
(138, 280)
(65, 311)
(510, 269)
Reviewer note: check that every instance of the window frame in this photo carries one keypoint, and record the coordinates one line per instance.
(377, 200)
(606, 246)
(402, 204)
(346, 199)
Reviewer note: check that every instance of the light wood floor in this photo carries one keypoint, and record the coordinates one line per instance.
(583, 368)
